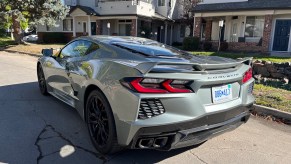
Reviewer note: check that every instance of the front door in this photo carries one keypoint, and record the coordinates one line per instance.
(93, 28)
(281, 36)
(60, 67)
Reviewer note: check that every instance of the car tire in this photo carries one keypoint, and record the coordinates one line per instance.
(101, 124)
(41, 80)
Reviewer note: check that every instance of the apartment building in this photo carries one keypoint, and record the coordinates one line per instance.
(248, 25)
(155, 19)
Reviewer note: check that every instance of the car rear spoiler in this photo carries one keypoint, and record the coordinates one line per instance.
(148, 66)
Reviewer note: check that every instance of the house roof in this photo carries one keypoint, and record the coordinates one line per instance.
(247, 5)
(87, 10)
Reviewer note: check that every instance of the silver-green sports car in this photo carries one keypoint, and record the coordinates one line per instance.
(140, 94)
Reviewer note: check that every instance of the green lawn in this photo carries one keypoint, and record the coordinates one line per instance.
(241, 55)
(270, 96)
(5, 41)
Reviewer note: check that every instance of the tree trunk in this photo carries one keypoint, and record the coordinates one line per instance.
(17, 32)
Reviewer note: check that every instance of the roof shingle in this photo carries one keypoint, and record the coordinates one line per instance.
(248, 5)
(87, 10)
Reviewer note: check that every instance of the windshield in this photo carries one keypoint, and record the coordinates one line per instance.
(150, 49)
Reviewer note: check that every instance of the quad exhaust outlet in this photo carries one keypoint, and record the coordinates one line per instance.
(147, 143)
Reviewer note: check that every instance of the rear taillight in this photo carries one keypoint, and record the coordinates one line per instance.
(248, 75)
(152, 85)
(176, 86)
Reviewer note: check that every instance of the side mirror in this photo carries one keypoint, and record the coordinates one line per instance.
(47, 52)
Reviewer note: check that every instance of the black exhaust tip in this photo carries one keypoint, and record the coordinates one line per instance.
(160, 142)
(145, 143)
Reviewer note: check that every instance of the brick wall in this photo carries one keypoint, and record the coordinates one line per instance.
(246, 47)
(65, 37)
(98, 27)
(208, 30)
(133, 27)
(78, 34)
(267, 33)
(197, 26)
(240, 46)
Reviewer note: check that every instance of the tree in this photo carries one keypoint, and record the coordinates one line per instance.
(44, 12)
(187, 16)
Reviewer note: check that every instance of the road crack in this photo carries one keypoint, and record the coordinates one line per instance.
(59, 135)
(198, 158)
(48, 128)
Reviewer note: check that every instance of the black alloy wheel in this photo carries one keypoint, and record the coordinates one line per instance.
(41, 80)
(101, 124)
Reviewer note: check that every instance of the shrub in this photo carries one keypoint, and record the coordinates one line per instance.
(3, 32)
(223, 46)
(191, 43)
(54, 38)
(207, 46)
(177, 44)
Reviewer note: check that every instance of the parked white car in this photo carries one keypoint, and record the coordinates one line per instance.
(30, 38)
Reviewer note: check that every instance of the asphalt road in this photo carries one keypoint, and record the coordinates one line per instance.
(38, 129)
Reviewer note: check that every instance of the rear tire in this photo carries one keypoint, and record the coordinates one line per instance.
(101, 124)
(41, 81)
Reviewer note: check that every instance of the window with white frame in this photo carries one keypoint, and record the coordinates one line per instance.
(124, 27)
(161, 2)
(68, 25)
(254, 28)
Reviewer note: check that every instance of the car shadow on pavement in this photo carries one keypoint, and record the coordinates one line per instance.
(44, 129)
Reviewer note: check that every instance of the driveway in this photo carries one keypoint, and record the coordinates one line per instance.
(39, 129)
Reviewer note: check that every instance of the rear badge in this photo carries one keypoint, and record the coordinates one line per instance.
(223, 76)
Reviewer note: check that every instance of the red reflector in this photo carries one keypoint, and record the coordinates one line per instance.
(248, 75)
(138, 87)
(170, 88)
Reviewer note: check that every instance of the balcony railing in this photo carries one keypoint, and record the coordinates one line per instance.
(136, 1)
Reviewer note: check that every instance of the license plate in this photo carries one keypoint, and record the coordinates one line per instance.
(222, 93)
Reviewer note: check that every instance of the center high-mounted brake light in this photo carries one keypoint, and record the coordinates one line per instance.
(152, 85)
(248, 75)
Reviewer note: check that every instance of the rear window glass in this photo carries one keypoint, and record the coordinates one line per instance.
(149, 49)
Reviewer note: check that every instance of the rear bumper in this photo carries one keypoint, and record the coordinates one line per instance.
(189, 133)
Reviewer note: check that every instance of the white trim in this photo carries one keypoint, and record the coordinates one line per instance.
(89, 26)
(236, 13)
(83, 26)
(74, 28)
(117, 17)
(273, 35)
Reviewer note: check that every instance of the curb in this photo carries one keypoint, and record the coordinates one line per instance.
(263, 110)
(26, 53)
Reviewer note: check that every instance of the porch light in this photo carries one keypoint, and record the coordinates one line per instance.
(162, 27)
(108, 25)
